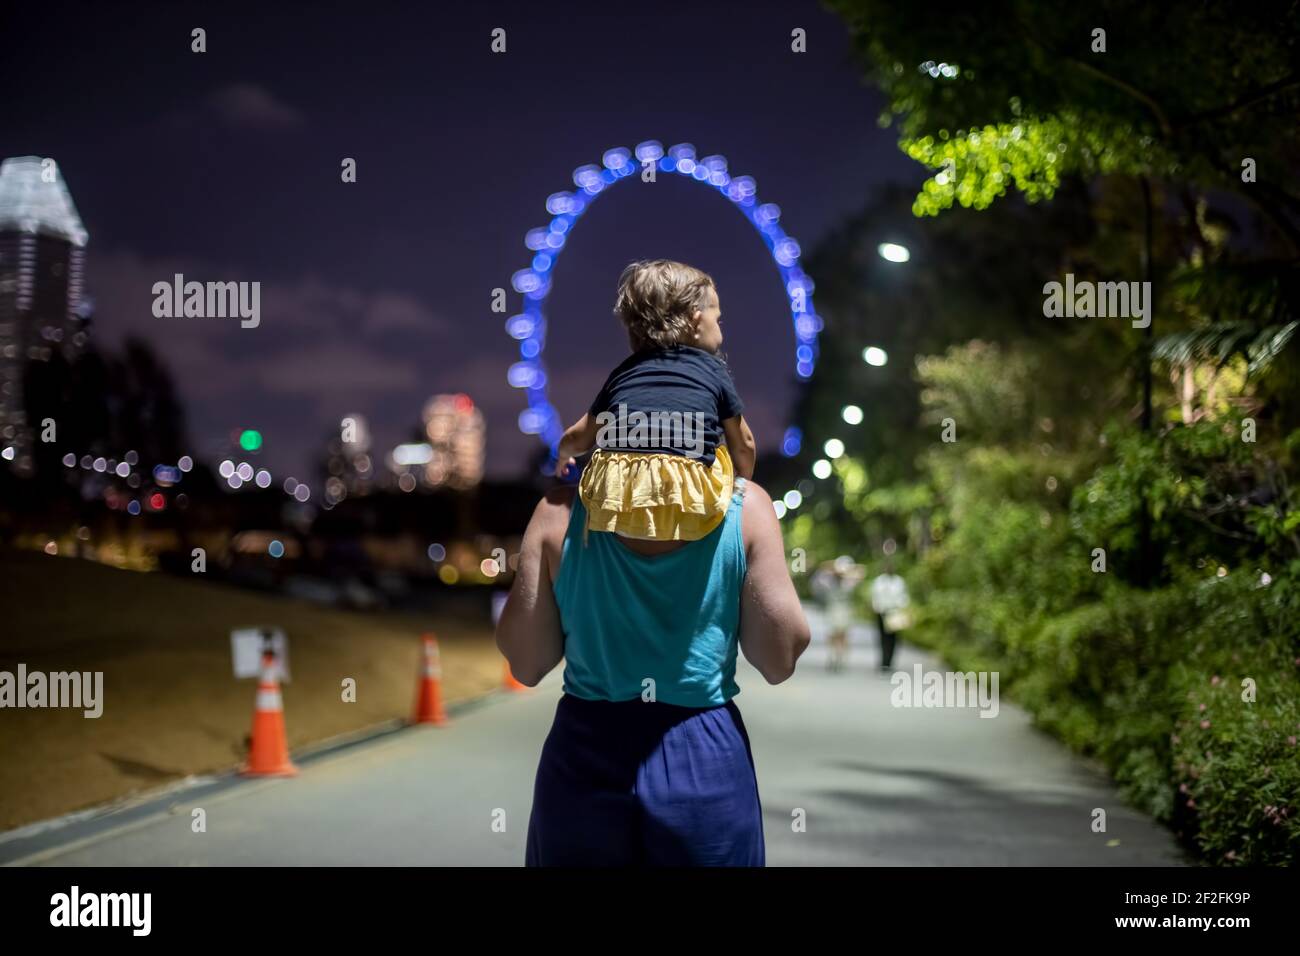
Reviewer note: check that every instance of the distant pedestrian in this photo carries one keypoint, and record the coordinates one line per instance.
(890, 602)
(834, 584)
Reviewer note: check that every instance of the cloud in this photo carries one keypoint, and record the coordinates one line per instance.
(121, 284)
(315, 339)
(336, 368)
(388, 311)
(249, 106)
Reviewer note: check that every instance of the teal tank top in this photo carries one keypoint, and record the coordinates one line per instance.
(673, 618)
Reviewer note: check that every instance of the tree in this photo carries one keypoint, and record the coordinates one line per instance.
(1016, 96)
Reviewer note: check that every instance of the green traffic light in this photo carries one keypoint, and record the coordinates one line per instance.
(250, 440)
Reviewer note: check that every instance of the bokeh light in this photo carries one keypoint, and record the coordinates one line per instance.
(874, 356)
(893, 252)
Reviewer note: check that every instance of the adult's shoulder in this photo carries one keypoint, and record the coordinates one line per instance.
(758, 519)
(550, 521)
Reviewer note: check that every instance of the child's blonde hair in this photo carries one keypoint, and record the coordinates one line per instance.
(657, 299)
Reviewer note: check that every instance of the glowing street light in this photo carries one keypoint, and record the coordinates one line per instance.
(793, 499)
(834, 448)
(821, 469)
(893, 252)
(874, 356)
(851, 414)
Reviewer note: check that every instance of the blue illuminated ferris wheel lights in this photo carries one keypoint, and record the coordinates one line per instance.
(531, 421)
(526, 281)
(586, 176)
(617, 158)
(617, 163)
(649, 151)
(520, 326)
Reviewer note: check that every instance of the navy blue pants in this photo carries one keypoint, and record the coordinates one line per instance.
(631, 783)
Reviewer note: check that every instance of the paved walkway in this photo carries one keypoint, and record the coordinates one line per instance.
(878, 785)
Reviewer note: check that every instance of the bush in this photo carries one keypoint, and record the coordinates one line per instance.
(1155, 684)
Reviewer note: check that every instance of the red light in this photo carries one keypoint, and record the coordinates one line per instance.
(463, 402)
(157, 502)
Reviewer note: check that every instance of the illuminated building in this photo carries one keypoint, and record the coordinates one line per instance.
(41, 310)
(350, 470)
(454, 430)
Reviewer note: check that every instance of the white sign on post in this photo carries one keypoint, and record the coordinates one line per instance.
(247, 644)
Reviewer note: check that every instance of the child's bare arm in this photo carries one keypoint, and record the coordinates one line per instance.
(579, 438)
(740, 442)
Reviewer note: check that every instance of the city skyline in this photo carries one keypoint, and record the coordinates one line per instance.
(377, 294)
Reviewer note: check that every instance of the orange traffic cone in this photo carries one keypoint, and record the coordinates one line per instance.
(509, 683)
(428, 700)
(268, 755)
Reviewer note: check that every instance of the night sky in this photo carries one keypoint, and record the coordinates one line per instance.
(226, 166)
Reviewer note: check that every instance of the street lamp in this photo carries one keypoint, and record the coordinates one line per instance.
(893, 252)
(874, 356)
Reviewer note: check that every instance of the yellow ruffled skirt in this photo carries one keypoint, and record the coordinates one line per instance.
(657, 497)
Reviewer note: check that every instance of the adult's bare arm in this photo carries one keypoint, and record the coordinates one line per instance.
(773, 629)
(529, 633)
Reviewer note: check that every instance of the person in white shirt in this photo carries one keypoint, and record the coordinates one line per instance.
(889, 600)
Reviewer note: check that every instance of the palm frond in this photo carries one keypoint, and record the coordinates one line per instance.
(1220, 342)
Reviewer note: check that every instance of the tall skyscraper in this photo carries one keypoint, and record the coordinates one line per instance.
(455, 432)
(42, 241)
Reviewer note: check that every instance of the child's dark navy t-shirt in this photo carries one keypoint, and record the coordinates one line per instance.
(681, 395)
